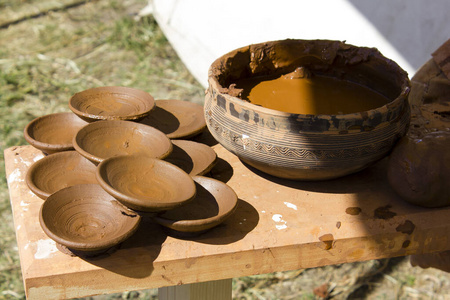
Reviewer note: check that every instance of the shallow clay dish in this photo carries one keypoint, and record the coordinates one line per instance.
(145, 184)
(111, 103)
(103, 139)
(177, 118)
(57, 171)
(192, 157)
(86, 219)
(53, 133)
(307, 146)
(215, 201)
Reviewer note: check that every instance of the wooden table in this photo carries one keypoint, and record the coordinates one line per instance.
(279, 225)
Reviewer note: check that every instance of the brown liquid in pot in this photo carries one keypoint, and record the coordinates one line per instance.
(306, 94)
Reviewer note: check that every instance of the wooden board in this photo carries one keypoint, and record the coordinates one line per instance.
(278, 225)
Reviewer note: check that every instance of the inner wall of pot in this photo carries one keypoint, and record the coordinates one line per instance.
(361, 65)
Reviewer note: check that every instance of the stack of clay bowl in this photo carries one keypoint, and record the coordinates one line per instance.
(115, 160)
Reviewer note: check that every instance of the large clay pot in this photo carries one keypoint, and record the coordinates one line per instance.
(307, 147)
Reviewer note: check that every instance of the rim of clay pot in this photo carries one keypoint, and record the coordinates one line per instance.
(151, 179)
(99, 130)
(58, 164)
(321, 50)
(192, 123)
(202, 156)
(78, 195)
(142, 103)
(217, 188)
(51, 121)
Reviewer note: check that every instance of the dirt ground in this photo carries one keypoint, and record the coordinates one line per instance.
(46, 56)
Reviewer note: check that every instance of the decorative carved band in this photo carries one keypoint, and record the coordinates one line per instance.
(246, 144)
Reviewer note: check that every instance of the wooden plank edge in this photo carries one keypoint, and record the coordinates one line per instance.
(251, 262)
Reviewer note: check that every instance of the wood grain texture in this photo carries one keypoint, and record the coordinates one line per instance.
(278, 225)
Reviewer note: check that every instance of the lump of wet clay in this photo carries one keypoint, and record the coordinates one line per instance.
(419, 165)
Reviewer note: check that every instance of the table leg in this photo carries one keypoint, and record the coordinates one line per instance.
(218, 290)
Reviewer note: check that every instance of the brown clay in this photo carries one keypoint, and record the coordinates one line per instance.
(215, 201)
(419, 166)
(145, 184)
(57, 171)
(354, 211)
(192, 157)
(311, 95)
(103, 139)
(111, 103)
(306, 146)
(53, 133)
(177, 118)
(86, 219)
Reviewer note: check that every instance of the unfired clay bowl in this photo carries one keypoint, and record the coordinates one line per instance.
(192, 157)
(177, 118)
(300, 146)
(103, 139)
(53, 133)
(145, 184)
(86, 219)
(111, 103)
(57, 171)
(215, 201)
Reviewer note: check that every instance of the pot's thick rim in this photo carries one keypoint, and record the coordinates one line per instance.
(399, 102)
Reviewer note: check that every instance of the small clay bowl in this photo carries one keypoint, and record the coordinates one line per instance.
(215, 201)
(145, 184)
(111, 103)
(177, 118)
(86, 219)
(192, 157)
(53, 133)
(57, 171)
(103, 139)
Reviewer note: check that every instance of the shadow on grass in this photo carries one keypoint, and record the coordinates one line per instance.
(367, 281)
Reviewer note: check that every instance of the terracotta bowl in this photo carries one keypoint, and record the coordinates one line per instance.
(307, 147)
(111, 103)
(86, 219)
(103, 139)
(145, 184)
(215, 201)
(192, 157)
(53, 133)
(177, 118)
(60, 170)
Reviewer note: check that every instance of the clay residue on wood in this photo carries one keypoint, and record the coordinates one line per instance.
(406, 227)
(327, 240)
(406, 244)
(384, 213)
(354, 211)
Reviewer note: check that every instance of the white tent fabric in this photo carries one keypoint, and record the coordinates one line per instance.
(407, 31)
